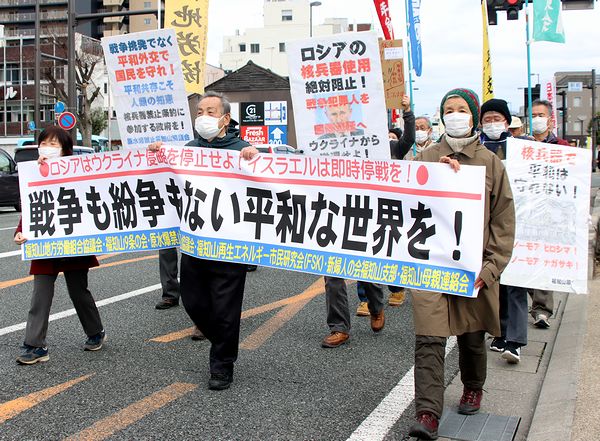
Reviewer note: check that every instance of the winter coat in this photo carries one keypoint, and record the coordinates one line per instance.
(231, 141)
(52, 267)
(443, 315)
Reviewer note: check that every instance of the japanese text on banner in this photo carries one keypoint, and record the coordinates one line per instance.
(338, 97)
(380, 221)
(551, 189)
(147, 85)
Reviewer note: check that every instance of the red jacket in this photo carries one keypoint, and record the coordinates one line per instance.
(51, 267)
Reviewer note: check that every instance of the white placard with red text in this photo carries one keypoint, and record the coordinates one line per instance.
(551, 189)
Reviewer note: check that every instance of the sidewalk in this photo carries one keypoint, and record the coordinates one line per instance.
(555, 389)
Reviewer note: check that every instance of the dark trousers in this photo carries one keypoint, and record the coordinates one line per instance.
(513, 314)
(429, 368)
(542, 302)
(336, 298)
(212, 294)
(167, 261)
(41, 301)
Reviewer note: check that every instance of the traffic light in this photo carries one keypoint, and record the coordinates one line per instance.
(512, 8)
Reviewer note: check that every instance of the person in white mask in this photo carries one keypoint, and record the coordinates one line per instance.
(55, 142)
(495, 119)
(542, 123)
(423, 133)
(438, 316)
(212, 291)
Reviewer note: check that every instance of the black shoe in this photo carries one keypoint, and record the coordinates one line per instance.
(95, 342)
(167, 303)
(498, 344)
(220, 381)
(250, 268)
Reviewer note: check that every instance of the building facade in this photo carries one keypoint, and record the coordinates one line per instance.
(284, 20)
(578, 100)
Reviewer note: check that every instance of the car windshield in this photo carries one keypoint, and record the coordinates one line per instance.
(30, 154)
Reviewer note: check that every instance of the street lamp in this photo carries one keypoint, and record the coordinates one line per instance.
(311, 6)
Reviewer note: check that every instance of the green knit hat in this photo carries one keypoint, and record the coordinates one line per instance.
(470, 97)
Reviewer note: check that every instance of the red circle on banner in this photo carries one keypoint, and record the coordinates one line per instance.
(44, 169)
(67, 120)
(422, 175)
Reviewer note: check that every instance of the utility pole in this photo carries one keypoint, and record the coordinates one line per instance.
(594, 119)
(563, 93)
(72, 85)
(37, 76)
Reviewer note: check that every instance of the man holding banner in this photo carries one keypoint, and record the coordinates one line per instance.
(212, 291)
(438, 316)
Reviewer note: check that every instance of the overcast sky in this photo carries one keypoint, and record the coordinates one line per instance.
(451, 41)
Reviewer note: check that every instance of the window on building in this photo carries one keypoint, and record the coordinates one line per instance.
(242, 47)
(105, 88)
(255, 48)
(576, 101)
(286, 15)
(147, 5)
(281, 47)
(577, 125)
(146, 21)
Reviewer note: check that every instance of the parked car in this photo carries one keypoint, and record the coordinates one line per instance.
(30, 152)
(278, 149)
(9, 182)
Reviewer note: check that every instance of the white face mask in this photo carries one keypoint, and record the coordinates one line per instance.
(494, 130)
(207, 126)
(457, 124)
(539, 124)
(49, 152)
(421, 136)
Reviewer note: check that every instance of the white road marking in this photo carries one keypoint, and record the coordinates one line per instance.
(377, 425)
(10, 254)
(8, 228)
(70, 312)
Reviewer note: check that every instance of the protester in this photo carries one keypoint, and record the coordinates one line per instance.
(394, 133)
(423, 133)
(542, 306)
(167, 261)
(438, 316)
(212, 291)
(54, 142)
(513, 299)
(516, 126)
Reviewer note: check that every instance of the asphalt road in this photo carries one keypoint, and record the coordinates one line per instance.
(150, 380)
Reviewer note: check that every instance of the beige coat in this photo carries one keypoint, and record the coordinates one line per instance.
(443, 315)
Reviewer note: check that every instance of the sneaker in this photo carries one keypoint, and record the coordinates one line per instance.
(512, 353)
(470, 402)
(220, 381)
(426, 426)
(94, 343)
(396, 298)
(498, 344)
(33, 355)
(167, 303)
(541, 321)
(363, 310)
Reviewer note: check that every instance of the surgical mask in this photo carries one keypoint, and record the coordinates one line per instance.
(457, 124)
(207, 126)
(49, 152)
(539, 124)
(494, 130)
(421, 136)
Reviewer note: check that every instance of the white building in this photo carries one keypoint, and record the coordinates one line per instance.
(284, 20)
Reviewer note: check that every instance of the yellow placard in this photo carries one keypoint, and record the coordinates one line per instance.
(189, 18)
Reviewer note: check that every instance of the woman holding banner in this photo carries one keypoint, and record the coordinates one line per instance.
(54, 142)
(438, 316)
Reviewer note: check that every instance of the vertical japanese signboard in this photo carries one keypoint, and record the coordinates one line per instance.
(392, 66)
(337, 92)
(147, 85)
(551, 189)
(189, 18)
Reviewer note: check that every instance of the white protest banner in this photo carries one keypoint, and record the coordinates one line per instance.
(551, 189)
(338, 96)
(393, 222)
(147, 84)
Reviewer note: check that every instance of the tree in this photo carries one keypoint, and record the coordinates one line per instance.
(99, 120)
(88, 57)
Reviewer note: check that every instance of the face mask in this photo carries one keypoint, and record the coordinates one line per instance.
(49, 152)
(539, 124)
(494, 130)
(207, 126)
(421, 136)
(457, 124)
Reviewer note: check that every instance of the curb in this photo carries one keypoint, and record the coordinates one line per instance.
(554, 413)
